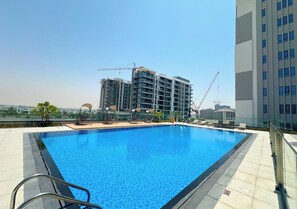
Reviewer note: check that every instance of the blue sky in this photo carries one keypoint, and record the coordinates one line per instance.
(51, 50)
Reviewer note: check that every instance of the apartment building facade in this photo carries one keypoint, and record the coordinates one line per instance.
(151, 90)
(265, 62)
(115, 92)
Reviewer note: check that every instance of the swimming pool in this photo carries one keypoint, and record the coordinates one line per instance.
(137, 167)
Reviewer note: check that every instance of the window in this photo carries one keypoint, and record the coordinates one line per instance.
(292, 53)
(263, 27)
(265, 108)
(280, 73)
(279, 22)
(292, 71)
(286, 72)
(279, 6)
(293, 107)
(288, 125)
(286, 54)
(291, 35)
(264, 43)
(285, 37)
(280, 55)
(281, 91)
(293, 90)
(264, 59)
(290, 2)
(264, 75)
(285, 20)
(281, 109)
(287, 90)
(287, 108)
(291, 18)
(281, 125)
(279, 39)
(284, 3)
(264, 92)
(263, 12)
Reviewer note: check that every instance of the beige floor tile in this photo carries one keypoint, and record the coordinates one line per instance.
(248, 170)
(265, 183)
(267, 175)
(292, 192)
(245, 177)
(11, 174)
(254, 153)
(266, 168)
(251, 165)
(242, 187)
(15, 164)
(252, 159)
(267, 196)
(261, 205)
(221, 205)
(8, 186)
(5, 200)
(237, 200)
(266, 156)
(292, 203)
(5, 152)
(266, 162)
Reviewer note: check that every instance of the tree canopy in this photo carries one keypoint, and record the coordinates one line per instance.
(45, 110)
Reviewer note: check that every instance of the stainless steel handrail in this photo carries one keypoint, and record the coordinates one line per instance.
(60, 197)
(15, 190)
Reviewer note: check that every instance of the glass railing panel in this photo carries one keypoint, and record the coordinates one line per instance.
(290, 174)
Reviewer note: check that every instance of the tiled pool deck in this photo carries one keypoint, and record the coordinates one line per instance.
(249, 182)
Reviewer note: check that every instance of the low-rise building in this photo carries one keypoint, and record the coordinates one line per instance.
(224, 114)
(207, 113)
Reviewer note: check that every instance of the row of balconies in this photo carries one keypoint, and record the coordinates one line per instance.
(147, 95)
(144, 74)
(139, 80)
(164, 84)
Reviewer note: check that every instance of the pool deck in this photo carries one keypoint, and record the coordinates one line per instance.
(111, 125)
(249, 182)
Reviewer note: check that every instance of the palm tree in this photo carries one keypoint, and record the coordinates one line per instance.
(158, 115)
(45, 110)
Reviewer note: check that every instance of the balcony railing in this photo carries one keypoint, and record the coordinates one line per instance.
(285, 160)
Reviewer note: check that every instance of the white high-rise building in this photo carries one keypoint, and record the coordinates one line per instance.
(151, 90)
(265, 62)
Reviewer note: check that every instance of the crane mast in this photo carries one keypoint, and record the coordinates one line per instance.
(196, 109)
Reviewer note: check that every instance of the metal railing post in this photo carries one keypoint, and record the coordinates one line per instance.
(272, 134)
(279, 160)
(277, 146)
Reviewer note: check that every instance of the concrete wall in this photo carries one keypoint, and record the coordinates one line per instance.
(246, 62)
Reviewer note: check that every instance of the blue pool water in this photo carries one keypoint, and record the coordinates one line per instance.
(139, 167)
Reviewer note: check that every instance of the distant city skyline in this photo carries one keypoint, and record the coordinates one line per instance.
(51, 51)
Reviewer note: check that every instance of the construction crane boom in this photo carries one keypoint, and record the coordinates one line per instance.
(122, 68)
(196, 109)
(127, 68)
(213, 80)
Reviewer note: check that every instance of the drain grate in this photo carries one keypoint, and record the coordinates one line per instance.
(227, 192)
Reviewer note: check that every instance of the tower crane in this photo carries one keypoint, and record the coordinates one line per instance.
(194, 107)
(122, 68)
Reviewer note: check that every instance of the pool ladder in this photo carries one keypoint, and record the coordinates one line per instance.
(71, 200)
